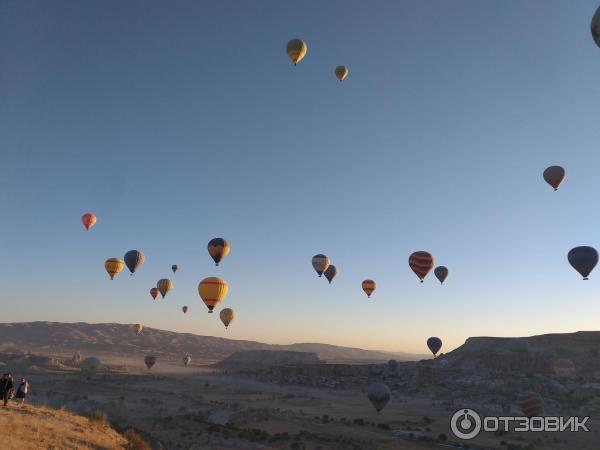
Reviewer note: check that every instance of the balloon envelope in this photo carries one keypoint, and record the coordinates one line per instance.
(89, 366)
(187, 359)
(296, 50)
(134, 259)
(88, 220)
(154, 292)
(184, 309)
(76, 357)
(113, 267)
(227, 315)
(164, 285)
(330, 273)
(341, 72)
(421, 263)
(554, 175)
(531, 403)
(379, 395)
(441, 272)
(434, 344)
(137, 328)
(320, 263)
(212, 291)
(369, 286)
(595, 27)
(174, 268)
(218, 248)
(583, 259)
(149, 360)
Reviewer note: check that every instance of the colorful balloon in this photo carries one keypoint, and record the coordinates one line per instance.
(154, 292)
(113, 266)
(227, 315)
(137, 328)
(583, 259)
(187, 359)
(531, 404)
(296, 50)
(76, 357)
(379, 395)
(164, 285)
(369, 286)
(564, 368)
(554, 175)
(184, 309)
(88, 220)
(218, 248)
(320, 263)
(441, 272)
(212, 291)
(330, 273)
(341, 72)
(434, 344)
(149, 360)
(421, 263)
(595, 27)
(174, 268)
(89, 366)
(134, 259)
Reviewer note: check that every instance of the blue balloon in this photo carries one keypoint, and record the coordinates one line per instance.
(434, 344)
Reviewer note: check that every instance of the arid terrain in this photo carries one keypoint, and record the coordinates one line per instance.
(274, 398)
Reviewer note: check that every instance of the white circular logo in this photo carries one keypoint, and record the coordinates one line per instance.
(465, 424)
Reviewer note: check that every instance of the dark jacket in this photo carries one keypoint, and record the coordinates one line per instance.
(6, 385)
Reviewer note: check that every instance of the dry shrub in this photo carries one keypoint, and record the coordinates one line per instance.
(98, 417)
(135, 441)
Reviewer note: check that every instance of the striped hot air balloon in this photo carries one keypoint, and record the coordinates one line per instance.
(154, 292)
(113, 266)
(212, 291)
(88, 220)
(164, 285)
(320, 263)
(218, 248)
(531, 404)
(421, 263)
(369, 286)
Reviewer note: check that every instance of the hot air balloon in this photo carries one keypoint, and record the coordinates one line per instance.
(554, 175)
(164, 285)
(330, 273)
(320, 263)
(113, 266)
(89, 366)
(212, 291)
(154, 292)
(76, 357)
(227, 315)
(392, 365)
(174, 268)
(379, 395)
(186, 360)
(296, 50)
(341, 72)
(149, 360)
(564, 368)
(218, 248)
(441, 272)
(583, 259)
(134, 259)
(531, 404)
(137, 328)
(369, 286)
(184, 309)
(421, 263)
(434, 344)
(595, 27)
(88, 220)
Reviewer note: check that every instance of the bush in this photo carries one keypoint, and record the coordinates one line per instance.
(360, 422)
(98, 417)
(135, 441)
(325, 418)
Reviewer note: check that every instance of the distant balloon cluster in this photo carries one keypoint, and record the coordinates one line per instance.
(297, 49)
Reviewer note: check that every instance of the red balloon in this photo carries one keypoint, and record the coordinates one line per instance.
(421, 263)
(88, 220)
(154, 292)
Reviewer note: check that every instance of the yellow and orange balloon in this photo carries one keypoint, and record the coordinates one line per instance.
(114, 266)
(212, 291)
(296, 50)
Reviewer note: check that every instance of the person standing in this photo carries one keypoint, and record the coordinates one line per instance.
(22, 391)
(6, 388)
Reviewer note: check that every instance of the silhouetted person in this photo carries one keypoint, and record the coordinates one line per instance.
(6, 388)
(22, 391)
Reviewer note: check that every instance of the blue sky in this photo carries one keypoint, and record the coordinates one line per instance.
(176, 122)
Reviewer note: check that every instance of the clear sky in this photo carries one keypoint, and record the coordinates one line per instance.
(179, 121)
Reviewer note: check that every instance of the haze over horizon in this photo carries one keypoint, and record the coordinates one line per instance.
(177, 123)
